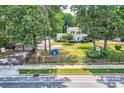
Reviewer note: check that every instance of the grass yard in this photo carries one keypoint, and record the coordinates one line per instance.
(80, 49)
(69, 71)
(74, 53)
(75, 49)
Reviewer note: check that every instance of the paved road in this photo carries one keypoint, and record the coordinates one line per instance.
(63, 81)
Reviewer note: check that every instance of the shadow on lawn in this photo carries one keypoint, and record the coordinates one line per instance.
(68, 44)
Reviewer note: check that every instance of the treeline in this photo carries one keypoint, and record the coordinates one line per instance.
(28, 24)
(100, 21)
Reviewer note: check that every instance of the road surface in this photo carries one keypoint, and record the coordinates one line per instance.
(63, 81)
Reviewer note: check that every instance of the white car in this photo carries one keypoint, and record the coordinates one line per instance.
(117, 39)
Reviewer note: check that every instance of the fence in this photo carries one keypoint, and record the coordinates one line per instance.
(56, 60)
(76, 60)
(106, 60)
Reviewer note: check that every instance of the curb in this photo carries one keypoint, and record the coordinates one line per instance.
(80, 74)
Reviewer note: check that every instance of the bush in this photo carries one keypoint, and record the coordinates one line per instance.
(83, 41)
(104, 53)
(72, 41)
(118, 47)
(67, 37)
(60, 41)
(96, 54)
(88, 39)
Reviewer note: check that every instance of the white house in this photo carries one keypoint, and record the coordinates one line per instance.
(75, 31)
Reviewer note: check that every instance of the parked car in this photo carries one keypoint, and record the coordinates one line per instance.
(117, 39)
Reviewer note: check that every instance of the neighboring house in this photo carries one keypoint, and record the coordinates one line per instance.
(59, 35)
(75, 31)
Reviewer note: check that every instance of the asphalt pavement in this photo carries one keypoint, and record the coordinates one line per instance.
(63, 81)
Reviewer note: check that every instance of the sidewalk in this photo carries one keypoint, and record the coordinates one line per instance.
(65, 67)
(13, 70)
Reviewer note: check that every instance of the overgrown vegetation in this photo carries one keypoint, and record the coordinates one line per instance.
(29, 24)
(118, 47)
(96, 54)
(67, 37)
(100, 22)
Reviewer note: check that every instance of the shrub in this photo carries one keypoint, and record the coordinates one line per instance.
(60, 41)
(88, 39)
(104, 53)
(118, 47)
(67, 37)
(95, 54)
(83, 41)
(72, 41)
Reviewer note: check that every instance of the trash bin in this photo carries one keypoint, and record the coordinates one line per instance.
(55, 52)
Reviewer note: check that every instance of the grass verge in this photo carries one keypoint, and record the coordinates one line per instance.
(69, 71)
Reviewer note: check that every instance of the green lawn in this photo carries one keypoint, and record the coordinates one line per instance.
(69, 71)
(75, 54)
(80, 50)
(75, 49)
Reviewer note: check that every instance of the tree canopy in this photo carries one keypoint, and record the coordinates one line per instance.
(27, 24)
(99, 22)
(68, 19)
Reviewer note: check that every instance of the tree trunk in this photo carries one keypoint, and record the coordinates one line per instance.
(105, 43)
(45, 46)
(23, 47)
(49, 45)
(34, 42)
(94, 45)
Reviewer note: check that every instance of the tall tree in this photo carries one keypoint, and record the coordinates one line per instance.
(68, 21)
(98, 21)
(54, 21)
(27, 24)
(24, 23)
